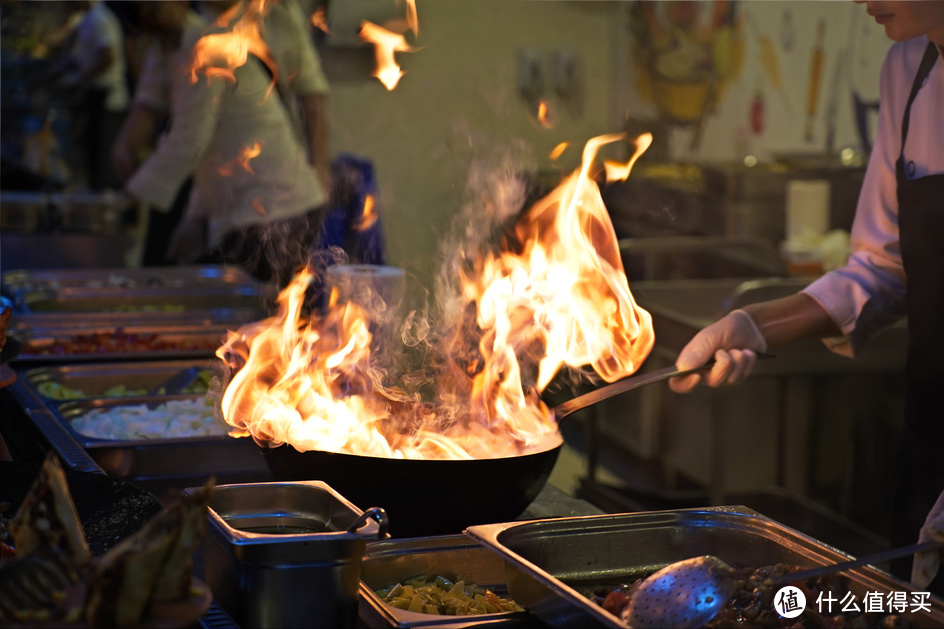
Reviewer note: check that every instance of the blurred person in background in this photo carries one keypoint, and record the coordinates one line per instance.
(171, 28)
(254, 185)
(896, 269)
(92, 68)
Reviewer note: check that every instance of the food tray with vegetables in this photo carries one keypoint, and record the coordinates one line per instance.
(557, 569)
(108, 380)
(172, 300)
(156, 441)
(437, 581)
(119, 279)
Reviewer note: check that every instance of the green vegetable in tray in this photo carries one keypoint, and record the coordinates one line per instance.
(57, 391)
(435, 594)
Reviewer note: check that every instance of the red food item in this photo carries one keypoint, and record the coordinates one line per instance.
(615, 602)
(116, 342)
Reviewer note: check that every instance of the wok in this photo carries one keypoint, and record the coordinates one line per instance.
(444, 496)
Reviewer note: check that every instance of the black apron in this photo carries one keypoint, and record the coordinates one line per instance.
(920, 472)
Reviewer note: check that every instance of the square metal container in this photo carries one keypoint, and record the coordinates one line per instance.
(295, 579)
(95, 378)
(553, 565)
(393, 561)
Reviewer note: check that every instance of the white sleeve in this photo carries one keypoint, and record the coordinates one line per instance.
(868, 292)
(194, 113)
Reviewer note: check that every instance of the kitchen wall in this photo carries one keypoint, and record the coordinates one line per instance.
(458, 97)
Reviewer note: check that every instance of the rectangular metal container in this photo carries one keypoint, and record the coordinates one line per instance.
(119, 279)
(171, 300)
(393, 561)
(181, 341)
(296, 579)
(94, 379)
(553, 565)
(182, 459)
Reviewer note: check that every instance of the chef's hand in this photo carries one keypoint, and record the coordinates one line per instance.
(123, 162)
(732, 341)
(926, 564)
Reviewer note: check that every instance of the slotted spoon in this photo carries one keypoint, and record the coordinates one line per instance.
(689, 593)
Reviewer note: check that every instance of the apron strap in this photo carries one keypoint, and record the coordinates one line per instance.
(927, 62)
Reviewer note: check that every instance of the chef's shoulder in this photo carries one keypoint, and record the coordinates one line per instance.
(901, 63)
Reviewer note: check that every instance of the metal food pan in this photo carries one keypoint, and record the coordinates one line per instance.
(94, 379)
(169, 342)
(126, 278)
(553, 565)
(160, 300)
(394, 561)
(152, 459)
(26, 322)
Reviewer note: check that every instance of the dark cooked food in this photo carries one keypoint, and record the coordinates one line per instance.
(118, 341)
(52, 579)
(435, 594)
(5, 314)
(752, 604)
(47, 519)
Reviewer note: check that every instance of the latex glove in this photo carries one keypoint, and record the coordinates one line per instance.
(733, 341)
(926, 564)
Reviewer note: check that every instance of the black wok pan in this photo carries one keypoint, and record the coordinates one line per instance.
(440, 497)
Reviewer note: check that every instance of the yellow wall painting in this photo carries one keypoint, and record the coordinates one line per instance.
(685, 52)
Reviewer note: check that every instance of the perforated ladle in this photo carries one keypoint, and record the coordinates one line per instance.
(689, 593)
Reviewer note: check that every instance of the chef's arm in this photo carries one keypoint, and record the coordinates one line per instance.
(790, 319)
(137, 132)
(314, 109)
(734, 340)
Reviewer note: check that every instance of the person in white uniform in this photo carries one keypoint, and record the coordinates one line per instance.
(896, 269)
(170, 28)
(252, 180)
(95, 68)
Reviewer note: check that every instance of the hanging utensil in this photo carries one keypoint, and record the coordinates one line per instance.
(689, 593)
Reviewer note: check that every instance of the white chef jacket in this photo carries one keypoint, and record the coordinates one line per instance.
(154, 85)
(99, 28)
(869, 292)
(212, 122)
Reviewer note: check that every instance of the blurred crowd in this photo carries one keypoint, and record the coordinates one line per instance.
(208, 117)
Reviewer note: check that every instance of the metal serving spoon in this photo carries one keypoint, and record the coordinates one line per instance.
(689, 593)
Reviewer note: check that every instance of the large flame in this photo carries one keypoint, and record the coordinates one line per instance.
(218, 54)
(553, 295)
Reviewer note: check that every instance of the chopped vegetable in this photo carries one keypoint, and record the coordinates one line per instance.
(435, 594)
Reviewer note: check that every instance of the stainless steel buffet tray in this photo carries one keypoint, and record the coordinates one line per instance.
(172, 300)
(147, 341)
(393, 561)
(156, 464)
(94, 379)
(119, 279)
(553, 565)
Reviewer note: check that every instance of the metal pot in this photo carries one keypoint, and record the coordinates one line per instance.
(425, 496)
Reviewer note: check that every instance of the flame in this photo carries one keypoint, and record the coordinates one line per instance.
(544, 114)
(385, 44)
(241, 160)
(558, 150)
(218, 54)
(257, 205)
(412, 19)
(552, 295)
(620, 172)
(319, 20)
(368, 215)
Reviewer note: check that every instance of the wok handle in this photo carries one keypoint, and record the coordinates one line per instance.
(628, 384)
(374, 513)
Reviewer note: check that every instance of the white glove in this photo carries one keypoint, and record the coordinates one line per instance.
(733, 341)
(926, 564)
